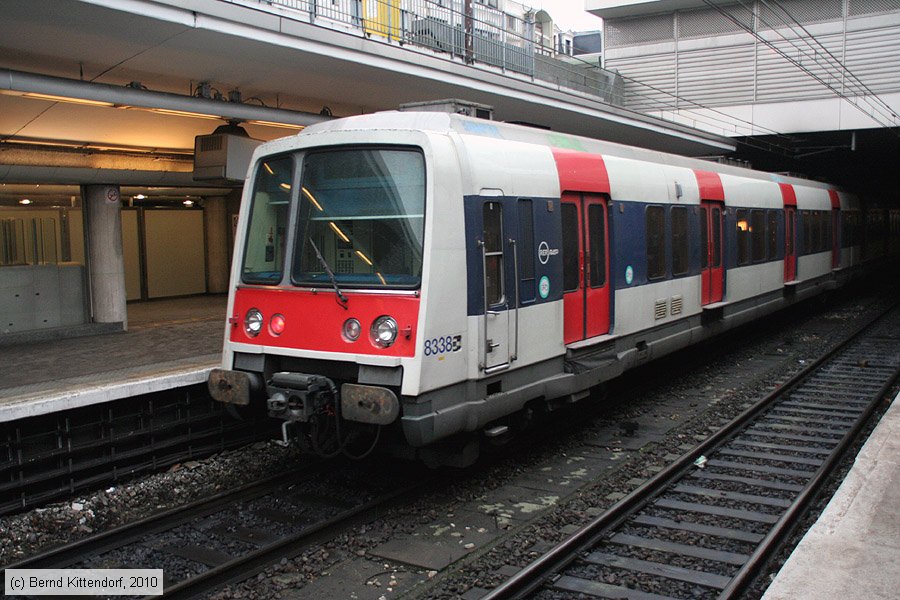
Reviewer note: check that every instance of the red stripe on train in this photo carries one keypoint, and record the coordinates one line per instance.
(710, 185)
(580, 171)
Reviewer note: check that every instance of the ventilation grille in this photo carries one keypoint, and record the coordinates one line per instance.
(627, 32)
(659, 311)
(676, 305)
(211, 143)
(869, 7)
(790, 12)
(710, 21)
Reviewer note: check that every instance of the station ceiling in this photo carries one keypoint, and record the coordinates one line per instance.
(272, 61)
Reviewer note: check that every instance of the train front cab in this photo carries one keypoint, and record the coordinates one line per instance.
(330, 282)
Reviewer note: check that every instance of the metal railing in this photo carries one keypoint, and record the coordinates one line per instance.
(466, 30)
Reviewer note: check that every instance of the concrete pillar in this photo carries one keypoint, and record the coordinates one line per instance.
(103, 213)
(217, 251)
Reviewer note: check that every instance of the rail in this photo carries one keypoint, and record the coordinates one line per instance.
(818, 413)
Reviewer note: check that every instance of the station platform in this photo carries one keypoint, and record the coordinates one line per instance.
(169, 343)
(853, 549)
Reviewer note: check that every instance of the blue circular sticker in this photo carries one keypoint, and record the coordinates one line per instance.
(629, 274)
(544, 287)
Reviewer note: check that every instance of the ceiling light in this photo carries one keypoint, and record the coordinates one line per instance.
(188, 203)
(275, 124)
(140, 197)
(67, 99)
(181, 113)
(24, 201)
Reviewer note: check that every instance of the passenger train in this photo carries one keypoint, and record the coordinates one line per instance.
(432, 274)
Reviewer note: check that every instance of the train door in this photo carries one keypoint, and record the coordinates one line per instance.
(586, 294)
(790, 243)
(712, 272)
(496, 301)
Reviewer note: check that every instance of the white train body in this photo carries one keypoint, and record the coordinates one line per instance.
(507, 265)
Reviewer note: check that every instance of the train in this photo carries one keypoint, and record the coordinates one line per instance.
(436, 278)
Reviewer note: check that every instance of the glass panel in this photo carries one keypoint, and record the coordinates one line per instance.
(570, 235)
(790, 223)
(493, 250)
(655, 221)
(679, 240)
(772, 231)
(758, 234)
(597, 234)
(742, 233)
(717, 236)
(264, 254)
(526, 249)
(364, 210)
(704, 237)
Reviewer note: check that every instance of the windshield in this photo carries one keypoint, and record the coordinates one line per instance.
(363, 209)
(264, 255)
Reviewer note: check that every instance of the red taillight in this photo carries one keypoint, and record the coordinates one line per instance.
(277, 324)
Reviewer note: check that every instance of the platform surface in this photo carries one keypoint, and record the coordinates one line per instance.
(169, 343)
(853, 549)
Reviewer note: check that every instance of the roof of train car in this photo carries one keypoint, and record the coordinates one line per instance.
(444, 122)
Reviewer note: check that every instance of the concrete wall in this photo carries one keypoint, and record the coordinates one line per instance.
(41, 297)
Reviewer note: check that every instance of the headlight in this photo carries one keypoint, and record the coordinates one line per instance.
(351, 330)
(253, 322)
(384, 331)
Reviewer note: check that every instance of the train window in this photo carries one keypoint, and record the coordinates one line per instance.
(742, 231)
(525, 249)
(493, 252)
(758, 235)
(597, 234)
(655, 221)
(265, 248)
(772, 237)
(570, 235)
(361, 216)
(680, 240)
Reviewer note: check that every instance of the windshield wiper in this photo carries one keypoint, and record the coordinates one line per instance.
(341, 297)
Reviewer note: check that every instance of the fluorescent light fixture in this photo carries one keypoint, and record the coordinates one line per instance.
(140, 197)
(67, 99)
(312, 198)
(338, 231)
(364, 257)
(188, 203)
(24, 201)
(180, 113)
(275, 124)
(285, 186)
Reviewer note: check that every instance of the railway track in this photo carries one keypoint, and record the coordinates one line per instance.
(236, 534)
(703, 527)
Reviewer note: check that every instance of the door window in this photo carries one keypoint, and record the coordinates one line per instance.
(570, 247)
(597, 235)
(493, 253)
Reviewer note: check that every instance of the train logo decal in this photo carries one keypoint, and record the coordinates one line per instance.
(544, 287)
(545, 252)
(629, 274)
